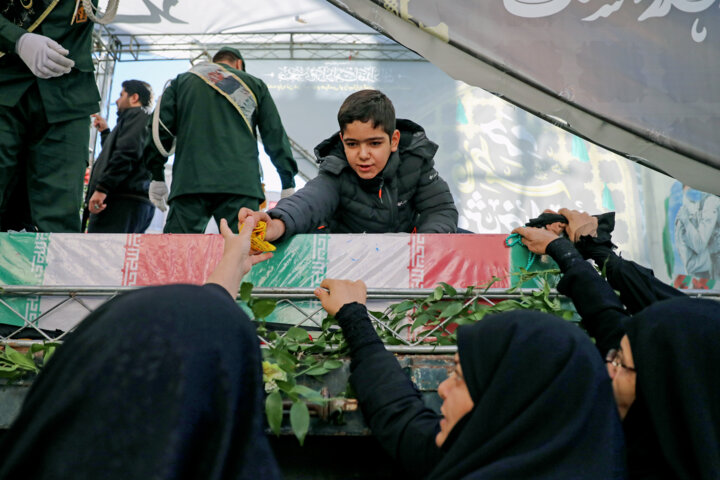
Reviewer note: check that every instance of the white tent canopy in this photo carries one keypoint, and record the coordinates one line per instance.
(303, 29)
(232, 16)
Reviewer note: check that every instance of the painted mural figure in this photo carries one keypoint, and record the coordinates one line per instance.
(697, 233)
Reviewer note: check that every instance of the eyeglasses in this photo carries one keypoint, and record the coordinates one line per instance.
(614, 358)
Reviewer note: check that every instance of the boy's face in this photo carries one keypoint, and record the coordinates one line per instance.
(368, 149)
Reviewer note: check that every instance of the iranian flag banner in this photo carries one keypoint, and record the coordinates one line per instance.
(382, 261)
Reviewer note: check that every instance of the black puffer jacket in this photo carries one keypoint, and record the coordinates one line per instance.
(119, 169)
(413, 194)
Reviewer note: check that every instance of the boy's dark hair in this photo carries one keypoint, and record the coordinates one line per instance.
(368, 105)
(143, 89)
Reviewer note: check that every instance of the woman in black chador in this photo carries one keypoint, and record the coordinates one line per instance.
(529, 399)
(160, 383)
(662, 351)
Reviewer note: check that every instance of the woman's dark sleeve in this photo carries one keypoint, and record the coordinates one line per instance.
(390, 402)
(597, 304)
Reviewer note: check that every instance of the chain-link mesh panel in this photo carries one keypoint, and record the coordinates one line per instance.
(64, 308)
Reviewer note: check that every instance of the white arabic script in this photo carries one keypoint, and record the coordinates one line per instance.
(658, 8)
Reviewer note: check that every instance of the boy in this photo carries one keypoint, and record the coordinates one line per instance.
(375, 177)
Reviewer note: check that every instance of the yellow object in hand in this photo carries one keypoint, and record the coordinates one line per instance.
(257, 239)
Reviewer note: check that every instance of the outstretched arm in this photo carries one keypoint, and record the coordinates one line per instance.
(390, 402)
(236, 260)
(309, 207)
(599, 307)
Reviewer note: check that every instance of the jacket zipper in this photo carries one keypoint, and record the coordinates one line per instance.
(392, 208)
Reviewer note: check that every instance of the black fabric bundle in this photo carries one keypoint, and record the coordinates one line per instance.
(676, 350)
(159, 383)
(544, 407)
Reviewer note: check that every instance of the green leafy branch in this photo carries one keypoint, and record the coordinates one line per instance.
(432, 320)
(15, 366)
(287, 356)
(294, 353)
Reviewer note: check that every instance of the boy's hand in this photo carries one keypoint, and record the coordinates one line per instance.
(275, 228)
(536, 239)
(236, 260)
(334, 294)
(579, 224)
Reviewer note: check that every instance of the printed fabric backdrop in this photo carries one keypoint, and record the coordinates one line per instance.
(503, 164)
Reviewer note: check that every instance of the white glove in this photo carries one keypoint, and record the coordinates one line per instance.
(286, 192)
(44, 56)
(158, 194)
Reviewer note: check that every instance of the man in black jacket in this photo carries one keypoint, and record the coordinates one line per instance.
(376, 176)
(117, 196)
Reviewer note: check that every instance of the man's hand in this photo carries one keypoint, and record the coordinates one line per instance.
(333, 294)
(99, 122)
(96, 204)
(44, 56)
(236, 261)
(158, 194)
(536, 239)
(275, 227)
(286, 192)
(579, 224)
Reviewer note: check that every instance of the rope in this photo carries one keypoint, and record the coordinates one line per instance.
(515, 238)
(98, 16)
(156, 123)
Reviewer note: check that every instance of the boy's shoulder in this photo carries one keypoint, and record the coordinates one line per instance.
(414, 141)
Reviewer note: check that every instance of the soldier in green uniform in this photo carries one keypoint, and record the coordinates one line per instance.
(214, 112)
(47, 92)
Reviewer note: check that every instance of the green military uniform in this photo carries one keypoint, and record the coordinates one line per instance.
(216, 169)
(44, 123)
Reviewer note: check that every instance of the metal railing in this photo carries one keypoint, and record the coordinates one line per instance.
(299, 304)
(255, 46)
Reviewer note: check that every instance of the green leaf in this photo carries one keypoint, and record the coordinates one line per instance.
(287, 386)
(6, 367)
(273, 411)
(464, 320)
(298, 334)
(308, 392)
(332, 364)
(437, 294)
(421, 319)
(403, 307)
(308, 361)
(263, 308)
(449, 289)
(245, 291)
(299, 420)
(453, 309)
(19, 359)
(317, 371)
(286, 361)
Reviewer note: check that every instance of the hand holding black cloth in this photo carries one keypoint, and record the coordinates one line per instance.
(159, 383)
